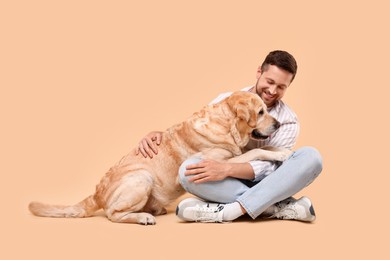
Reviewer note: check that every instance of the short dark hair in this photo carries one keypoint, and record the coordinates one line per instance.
(282, 60)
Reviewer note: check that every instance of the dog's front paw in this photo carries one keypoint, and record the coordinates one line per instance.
(146, 219)
(284, 154)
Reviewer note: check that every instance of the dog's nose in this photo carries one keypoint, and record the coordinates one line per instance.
(276, 124)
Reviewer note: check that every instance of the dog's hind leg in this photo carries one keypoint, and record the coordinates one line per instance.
(129, 198)
(131, 217)
(154, 207)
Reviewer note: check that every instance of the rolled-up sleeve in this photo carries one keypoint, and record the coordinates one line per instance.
(262, 168)
(285, 137)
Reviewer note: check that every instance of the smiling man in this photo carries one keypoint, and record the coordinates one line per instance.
(257, 188)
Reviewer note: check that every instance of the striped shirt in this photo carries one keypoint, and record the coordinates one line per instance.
(285, 136)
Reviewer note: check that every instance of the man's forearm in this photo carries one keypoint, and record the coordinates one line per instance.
(241, 171)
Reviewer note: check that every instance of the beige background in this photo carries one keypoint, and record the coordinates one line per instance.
(83, 81)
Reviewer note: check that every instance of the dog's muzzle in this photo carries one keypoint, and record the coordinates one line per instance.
(260, 136)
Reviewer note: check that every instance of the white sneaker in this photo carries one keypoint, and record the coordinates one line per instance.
(291, 208)
(196, 210)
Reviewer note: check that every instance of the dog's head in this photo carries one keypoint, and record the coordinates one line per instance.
(252, 119)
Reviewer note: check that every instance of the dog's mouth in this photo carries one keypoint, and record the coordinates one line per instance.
(258, 136)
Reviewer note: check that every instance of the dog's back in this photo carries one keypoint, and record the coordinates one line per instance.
(137, 184)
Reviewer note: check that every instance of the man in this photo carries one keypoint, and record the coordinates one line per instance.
(230, 190)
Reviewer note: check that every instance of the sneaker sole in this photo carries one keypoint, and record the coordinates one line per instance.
(312, 216)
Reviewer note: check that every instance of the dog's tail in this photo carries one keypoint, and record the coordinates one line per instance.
(83, 209)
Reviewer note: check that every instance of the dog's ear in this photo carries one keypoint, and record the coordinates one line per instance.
(244, 109)
(243, 106)
(247, 114)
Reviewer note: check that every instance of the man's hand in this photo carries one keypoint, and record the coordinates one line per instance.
(207, 170)
(149, 144)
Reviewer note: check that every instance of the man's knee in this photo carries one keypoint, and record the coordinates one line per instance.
(312, 159)
(224, 191)
(183, 178)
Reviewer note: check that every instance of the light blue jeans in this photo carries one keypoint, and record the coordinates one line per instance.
(294, 174)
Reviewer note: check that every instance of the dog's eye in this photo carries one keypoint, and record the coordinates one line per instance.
(261, 112)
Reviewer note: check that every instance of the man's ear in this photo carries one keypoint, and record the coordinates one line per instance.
(258, 72)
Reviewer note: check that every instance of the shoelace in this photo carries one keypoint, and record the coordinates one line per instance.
(207, 214)
(286, 210)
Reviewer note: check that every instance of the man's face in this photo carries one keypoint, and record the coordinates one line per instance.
(272, 84)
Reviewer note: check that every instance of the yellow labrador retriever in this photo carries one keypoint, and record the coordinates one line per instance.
(137, 188)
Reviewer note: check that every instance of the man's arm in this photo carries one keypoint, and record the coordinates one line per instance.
(148, 146)
(286, 138)
(210, 170)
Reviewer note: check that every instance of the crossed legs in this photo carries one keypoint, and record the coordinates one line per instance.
(298, 171)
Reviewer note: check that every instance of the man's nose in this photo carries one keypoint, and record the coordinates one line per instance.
(272, 90)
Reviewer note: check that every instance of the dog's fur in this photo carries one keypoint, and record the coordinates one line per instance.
(137, 188)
